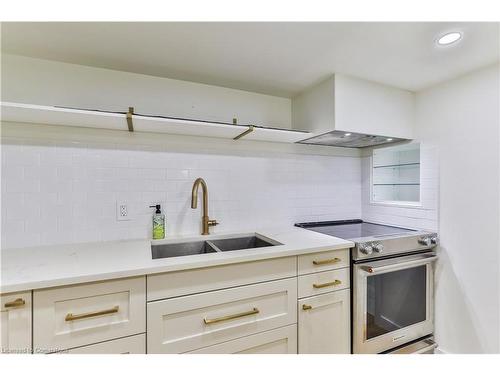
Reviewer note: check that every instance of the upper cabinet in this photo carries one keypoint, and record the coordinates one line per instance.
(351, 112)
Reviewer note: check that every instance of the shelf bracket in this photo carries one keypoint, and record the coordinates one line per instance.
(129, 119)
(248, 131)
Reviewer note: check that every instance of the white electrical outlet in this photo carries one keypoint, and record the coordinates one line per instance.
(122, 211)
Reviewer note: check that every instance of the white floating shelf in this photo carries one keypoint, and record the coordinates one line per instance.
(276, 135)
(185, 127)
(40, 114)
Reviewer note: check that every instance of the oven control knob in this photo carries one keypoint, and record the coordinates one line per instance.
(434, 240)
(366, 248)
(425, 241)
(378, 247)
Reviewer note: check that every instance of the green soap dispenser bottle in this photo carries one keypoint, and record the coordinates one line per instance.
(158, 223)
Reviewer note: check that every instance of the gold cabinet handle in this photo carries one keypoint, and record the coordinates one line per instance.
(229, 317)
(18, 302)
(307, 307)
(325, 285)
(70, 317)
(326, 261)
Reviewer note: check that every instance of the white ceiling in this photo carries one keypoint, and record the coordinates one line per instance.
(272, 58)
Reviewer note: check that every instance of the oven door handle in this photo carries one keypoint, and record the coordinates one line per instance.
(395, 266)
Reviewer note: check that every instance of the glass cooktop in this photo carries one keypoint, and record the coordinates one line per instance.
(351, 229)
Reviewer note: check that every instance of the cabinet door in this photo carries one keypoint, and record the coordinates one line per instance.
(79, 315)
(323, 282)
(324, 323)
(15, 324)
(185, 282)
(276, 341)
(184, 324)
(324, 261)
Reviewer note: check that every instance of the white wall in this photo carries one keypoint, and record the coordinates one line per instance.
(458, 128)
(37, 81)
(461, 119)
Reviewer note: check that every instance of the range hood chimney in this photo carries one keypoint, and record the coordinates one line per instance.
(345, 111)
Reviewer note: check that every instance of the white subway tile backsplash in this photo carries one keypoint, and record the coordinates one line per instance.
(37, 225)
(11, 204)
(63, 192)
(13, 227)
(100, 173)
(153, 173)
(22, 185)
(19, 156)
(12, 172)
(54, 185)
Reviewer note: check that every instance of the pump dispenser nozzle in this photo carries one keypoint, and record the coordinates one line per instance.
(158, 208)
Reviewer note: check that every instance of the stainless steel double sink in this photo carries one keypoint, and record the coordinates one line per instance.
(180, 249)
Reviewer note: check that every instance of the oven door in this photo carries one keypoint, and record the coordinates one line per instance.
(393, 302)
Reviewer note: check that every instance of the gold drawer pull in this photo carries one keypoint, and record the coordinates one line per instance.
(307, 307)
(326, 261)
(70, 317)
(229, 317)
(18, 302)
(332, 283)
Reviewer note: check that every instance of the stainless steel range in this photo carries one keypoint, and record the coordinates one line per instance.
(392, 285)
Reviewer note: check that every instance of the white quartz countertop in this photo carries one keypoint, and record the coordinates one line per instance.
(50, 266)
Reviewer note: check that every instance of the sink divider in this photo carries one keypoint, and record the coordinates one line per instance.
(211, 244)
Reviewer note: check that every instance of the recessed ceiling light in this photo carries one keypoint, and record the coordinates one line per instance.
(449, 38)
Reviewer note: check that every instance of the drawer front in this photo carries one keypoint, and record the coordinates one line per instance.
(276, 341)
(324, 261)
(15, 324)
(182, 283)
(323, 282)
(324, 324)
(89, 313)
(126, 345)
(187, 323)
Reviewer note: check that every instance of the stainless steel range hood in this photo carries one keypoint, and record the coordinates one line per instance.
(340, 138)
(346, 111)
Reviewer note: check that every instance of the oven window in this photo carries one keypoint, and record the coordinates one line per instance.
(395, 300)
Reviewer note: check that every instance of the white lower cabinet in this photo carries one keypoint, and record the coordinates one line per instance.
(279, 306)
(324, 323)
(277, 341)
(183, 324)
(126, 345)
(85, 314)
(15, 323)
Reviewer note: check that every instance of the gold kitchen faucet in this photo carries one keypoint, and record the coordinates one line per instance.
(206, 222)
